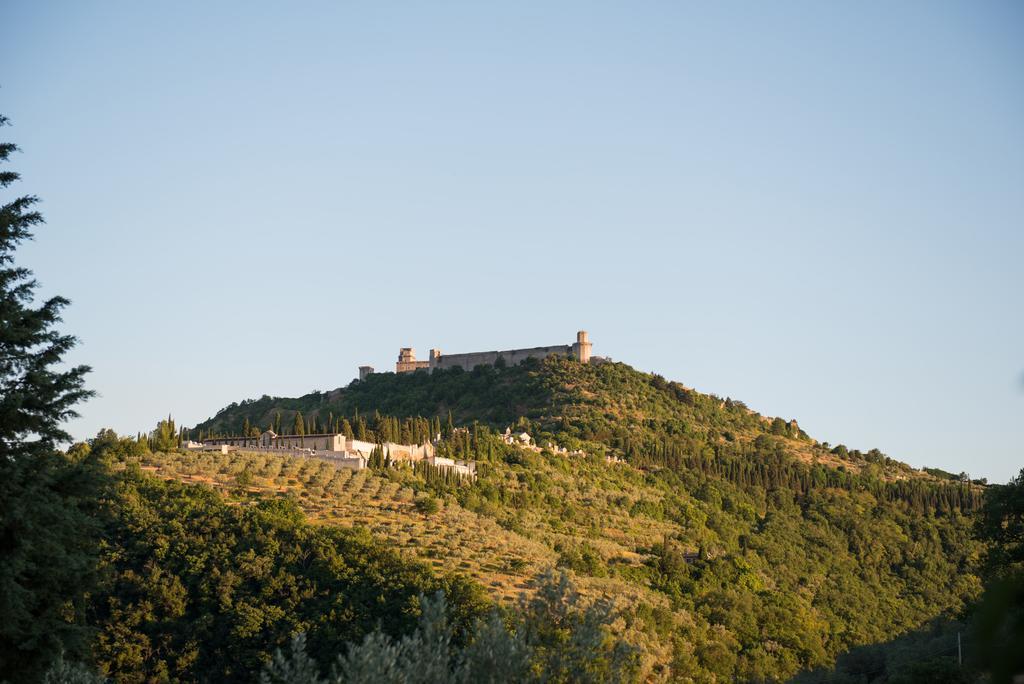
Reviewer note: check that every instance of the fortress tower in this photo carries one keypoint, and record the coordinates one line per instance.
(581, 350)
(407, 361)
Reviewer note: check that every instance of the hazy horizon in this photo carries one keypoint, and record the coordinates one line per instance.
(815, 209)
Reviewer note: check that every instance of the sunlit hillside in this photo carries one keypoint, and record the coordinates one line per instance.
(735, 544)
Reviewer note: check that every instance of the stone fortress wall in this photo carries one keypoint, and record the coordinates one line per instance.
(407, 363)
(342, 451)
(511, 357)
(334, 442)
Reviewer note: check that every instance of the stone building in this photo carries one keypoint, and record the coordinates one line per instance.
(407, 363)
(462, 468)
(335, 442)
(342, 451)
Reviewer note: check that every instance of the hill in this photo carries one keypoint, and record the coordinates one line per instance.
(737, 547)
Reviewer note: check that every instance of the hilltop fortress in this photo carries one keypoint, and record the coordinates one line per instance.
(346, 452)
(407, 363)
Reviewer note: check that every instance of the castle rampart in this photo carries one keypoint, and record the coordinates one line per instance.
(511, 357)
(580, 350)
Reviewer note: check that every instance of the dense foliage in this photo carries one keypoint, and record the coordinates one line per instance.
(984, 642)
(764, 579)
(999, 620)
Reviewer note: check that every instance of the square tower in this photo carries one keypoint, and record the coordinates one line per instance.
(581, 350)
(407, 362)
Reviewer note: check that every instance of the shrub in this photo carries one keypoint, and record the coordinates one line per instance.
(427, 505)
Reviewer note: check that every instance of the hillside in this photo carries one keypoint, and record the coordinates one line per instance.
(714, 579)
(736, 546)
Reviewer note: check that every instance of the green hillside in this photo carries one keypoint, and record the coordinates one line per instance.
(738, 547)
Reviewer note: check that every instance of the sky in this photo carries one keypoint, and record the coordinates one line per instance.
(816, 208)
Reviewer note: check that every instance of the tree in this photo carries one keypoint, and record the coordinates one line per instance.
(165, 437)
(778, 427)
(36, 396)
(428, 505)
(244, 478)
(376, 458)
(46, 530)
(299, 428)
(1001, 523)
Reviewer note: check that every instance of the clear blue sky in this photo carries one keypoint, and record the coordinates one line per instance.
(817, 208)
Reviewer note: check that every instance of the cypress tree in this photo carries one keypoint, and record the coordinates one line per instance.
(165, 437)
